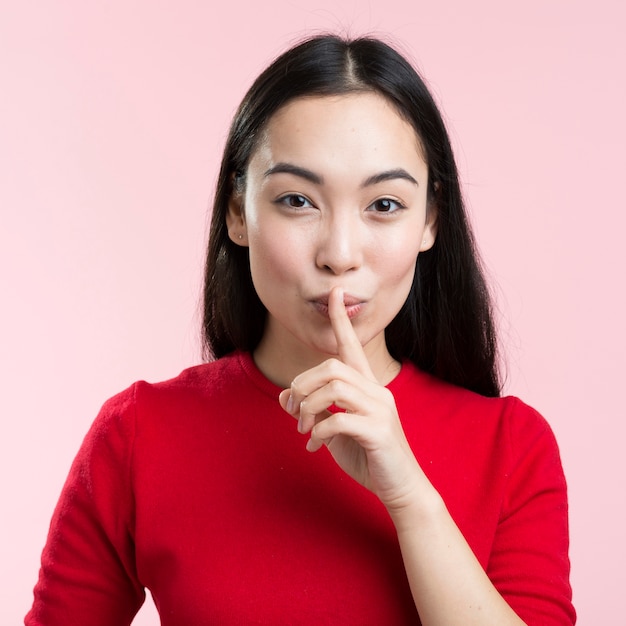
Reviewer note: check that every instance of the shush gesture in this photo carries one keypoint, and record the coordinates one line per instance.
(365, 437)
(367, 441)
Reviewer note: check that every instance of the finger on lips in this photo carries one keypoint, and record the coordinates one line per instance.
(313, 391)
(349, 347)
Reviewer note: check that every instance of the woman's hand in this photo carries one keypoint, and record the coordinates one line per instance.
(367, 440)
(448, 584)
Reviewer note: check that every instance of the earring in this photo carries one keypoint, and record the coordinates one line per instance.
(240, 236)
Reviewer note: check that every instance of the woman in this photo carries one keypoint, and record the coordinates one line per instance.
(342, 291)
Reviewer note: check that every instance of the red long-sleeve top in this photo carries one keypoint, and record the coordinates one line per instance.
(201, 490)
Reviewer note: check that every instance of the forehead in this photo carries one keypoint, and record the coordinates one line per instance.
(362, 127)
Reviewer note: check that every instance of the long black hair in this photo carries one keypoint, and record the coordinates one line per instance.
(446, 324)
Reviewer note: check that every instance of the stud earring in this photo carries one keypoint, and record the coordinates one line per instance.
(240, 236)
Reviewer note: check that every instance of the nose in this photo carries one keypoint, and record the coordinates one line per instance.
(340, 244)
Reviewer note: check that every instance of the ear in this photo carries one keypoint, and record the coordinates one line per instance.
(430, 228)
(236, 219)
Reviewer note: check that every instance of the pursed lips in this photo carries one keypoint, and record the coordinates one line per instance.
(352, 303)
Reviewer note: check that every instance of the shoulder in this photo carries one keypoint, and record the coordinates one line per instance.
(194, 386)
(465, 417)
(206, 378)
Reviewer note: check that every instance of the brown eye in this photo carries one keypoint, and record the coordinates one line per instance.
(386, 205)
(295, 201)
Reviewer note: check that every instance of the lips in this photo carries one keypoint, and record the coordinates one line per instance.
(348, 300)
(353, 304)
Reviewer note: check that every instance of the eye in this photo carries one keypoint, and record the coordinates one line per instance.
(386, 205)
(295, 201)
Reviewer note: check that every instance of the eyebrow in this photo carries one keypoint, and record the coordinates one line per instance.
(389, 175)
(316, 179)
(295, 170)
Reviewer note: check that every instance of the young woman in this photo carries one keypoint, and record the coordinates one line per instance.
(344, 458)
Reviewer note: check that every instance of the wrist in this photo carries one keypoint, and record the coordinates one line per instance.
(419, 510)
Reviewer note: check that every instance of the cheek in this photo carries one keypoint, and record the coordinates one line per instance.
(406, 264)
(397, 262)
(272, 257)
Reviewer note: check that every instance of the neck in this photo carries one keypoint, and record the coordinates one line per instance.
(281, 364)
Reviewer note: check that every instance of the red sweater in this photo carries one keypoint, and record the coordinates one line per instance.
(201, 490)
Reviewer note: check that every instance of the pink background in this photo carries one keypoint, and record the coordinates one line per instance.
(113, 118)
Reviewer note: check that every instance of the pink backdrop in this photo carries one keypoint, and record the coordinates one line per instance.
(113, 117)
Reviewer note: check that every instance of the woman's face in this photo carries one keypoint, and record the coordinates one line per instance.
(336, 195)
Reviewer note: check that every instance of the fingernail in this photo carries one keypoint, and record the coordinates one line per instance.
(290, 404)
(300, 425)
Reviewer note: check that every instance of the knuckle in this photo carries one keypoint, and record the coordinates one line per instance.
(333, 367)
(340, 421)
(296, 387)
(314, 434)
(336, 388)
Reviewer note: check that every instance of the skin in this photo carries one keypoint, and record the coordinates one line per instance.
(312, 216)
(332, 273)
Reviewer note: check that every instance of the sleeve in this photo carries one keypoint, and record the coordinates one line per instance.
(88, 573)
(529, 563)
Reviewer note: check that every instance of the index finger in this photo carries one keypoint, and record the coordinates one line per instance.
(349, 347)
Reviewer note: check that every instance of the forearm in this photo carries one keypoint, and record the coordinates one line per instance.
(448, 584)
